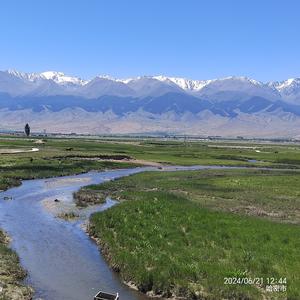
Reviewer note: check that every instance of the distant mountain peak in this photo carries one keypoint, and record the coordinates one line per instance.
(107, 77)
(243, 79)
(142, 86)
(230, 105)
(185, 84)
(52, 75)
(61, 78)
(22, 75)
(287, 83)
(58, 77)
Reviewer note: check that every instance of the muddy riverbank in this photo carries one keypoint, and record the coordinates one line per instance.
(11, 273)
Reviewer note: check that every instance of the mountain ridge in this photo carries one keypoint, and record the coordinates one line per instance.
(228, 106)
(286, 90)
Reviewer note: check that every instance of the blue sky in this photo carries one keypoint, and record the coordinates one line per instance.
(187, 38)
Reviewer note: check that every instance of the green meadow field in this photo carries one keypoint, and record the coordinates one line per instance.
(59, 157)
(181, 234)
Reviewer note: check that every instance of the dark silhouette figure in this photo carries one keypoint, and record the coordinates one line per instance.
(27, 129)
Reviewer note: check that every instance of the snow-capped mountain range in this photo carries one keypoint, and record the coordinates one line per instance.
(151, 104)
(57, 83)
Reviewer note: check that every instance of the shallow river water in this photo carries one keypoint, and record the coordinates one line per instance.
(63, 263)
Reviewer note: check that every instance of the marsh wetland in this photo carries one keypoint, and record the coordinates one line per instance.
(172, 234)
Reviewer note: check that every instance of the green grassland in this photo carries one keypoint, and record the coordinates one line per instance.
(11, 273)
(71, 156)
(55, 158)
(182, 232)
(169, 152)
(272, 194)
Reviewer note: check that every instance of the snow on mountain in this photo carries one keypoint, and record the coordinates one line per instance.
(22, 75)
(185, 84)
(61, 78)
(41, 84)
(104, 85)
(150, 86)
(287, 84)
(47, 88)
(14, 85)
(231, 88)
(217, 90)
(57, 77)
(226, 106)
(289, 90)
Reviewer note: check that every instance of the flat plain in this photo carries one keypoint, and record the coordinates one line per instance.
(180, 233)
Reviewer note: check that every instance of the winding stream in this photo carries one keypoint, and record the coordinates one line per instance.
(63, 263)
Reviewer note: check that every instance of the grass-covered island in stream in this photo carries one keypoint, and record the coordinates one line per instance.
(183, 233)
